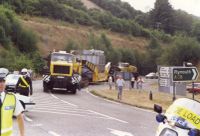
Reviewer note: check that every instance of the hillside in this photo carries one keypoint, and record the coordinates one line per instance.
(55, 35)
(90, 5)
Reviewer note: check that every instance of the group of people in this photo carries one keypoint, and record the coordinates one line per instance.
(120, 83)
(138, 81)
(11, 106)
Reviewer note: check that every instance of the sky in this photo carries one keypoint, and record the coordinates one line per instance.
(190, 6)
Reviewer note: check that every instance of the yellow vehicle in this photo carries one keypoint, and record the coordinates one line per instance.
(63, 72)
(67, 71)
(126, 70)
(94, 68)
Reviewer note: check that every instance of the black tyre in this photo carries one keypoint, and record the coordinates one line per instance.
(45, 89)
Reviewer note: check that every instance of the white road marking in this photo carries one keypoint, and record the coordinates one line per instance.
(61, 113)
(67, 110)
(36, 125)
(69, 103)
(53, 133)
(87, 91)
(54, 96)
(63, 101)
(109, 117)
(119, 133)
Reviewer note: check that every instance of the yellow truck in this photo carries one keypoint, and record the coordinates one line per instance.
(63, 72)
(67, 71)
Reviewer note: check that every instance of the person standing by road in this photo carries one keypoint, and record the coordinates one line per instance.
(24, 84)
(110, 82)
(133, 82)
(140, 82)
(120, 84)
(10, 106)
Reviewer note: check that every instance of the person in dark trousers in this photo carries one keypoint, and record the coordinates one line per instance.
(133, 82)
(24, 84)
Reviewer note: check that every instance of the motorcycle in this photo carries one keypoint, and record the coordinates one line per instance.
(182, 118)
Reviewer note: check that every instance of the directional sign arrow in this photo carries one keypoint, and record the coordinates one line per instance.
(119, 133)
(195, 74)
(184, 74)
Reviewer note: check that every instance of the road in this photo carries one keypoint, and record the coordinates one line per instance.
(58, 114)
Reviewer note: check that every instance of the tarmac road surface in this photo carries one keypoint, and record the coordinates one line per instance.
(60, 114)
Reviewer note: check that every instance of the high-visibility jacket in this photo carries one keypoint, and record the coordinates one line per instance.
(24, 83)
(7, 111)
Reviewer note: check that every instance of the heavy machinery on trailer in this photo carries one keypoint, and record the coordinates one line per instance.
(126, 70)
(66, 71)
(94, 67)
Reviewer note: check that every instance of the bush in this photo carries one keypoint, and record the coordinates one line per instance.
(27, 41)
(38, 62)
(11, 31)
(183, 49)
(71, 45)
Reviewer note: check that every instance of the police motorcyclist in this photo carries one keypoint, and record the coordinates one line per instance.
(24, 84)
(10, 106)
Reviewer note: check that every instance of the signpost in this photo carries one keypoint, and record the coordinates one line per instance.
(185, 74)
(173, 79)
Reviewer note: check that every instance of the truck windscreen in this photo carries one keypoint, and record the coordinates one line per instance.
(62, 57)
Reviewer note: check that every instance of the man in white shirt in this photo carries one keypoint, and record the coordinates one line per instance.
(9, 106)
(120, 84)
(110, 82)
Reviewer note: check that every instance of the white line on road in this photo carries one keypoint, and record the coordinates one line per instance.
(64, 110)
(109, 117)
(63, 101)
(36, 125)
(119, 133)
(53, 133)
(54, 96)
(87, 91)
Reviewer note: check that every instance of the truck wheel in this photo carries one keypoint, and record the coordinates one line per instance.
(74, 92)
(45, 89)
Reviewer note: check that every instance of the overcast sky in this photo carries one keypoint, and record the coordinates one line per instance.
(191, 6)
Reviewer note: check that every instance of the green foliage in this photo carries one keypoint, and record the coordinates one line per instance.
(71, 45)
(118, 8)
(27, 41)
(184, 49)
(162, 16)
(128, 56)
(14, 60)
(11, 31)
(196, 30)
(38, 62)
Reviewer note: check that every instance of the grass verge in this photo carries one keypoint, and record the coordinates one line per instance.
(138, 98)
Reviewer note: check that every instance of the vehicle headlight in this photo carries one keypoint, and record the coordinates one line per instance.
(168, 132)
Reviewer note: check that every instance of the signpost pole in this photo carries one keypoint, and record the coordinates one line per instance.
(174, 91)
(193, 93)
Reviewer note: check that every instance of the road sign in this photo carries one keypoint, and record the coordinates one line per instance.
(164, 72)
(185, 74)
(164, 82)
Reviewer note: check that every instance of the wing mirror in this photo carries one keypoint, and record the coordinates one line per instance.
(194, 132)
(161, 118)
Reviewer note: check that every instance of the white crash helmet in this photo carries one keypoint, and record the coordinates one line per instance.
(24, 71)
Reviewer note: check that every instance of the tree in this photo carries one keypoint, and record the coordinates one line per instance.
(162, 16)
(184, 49)
(196, 31)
